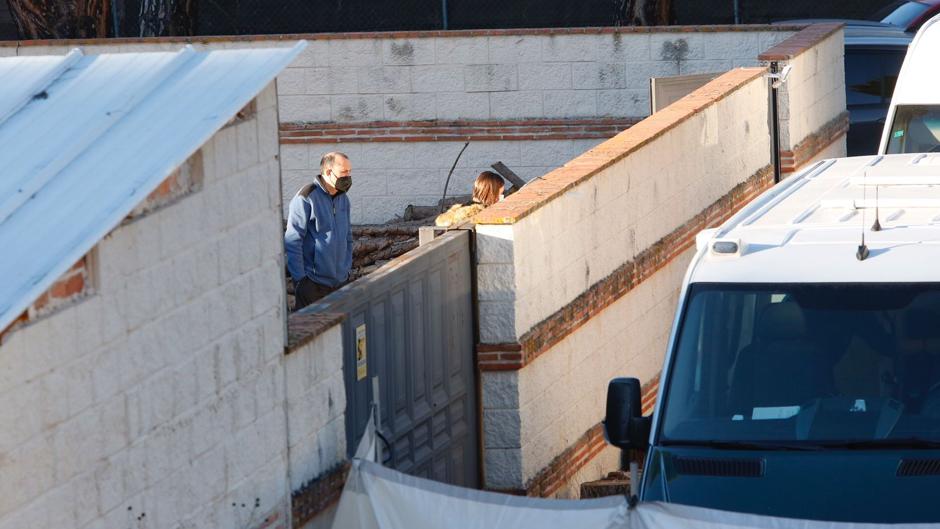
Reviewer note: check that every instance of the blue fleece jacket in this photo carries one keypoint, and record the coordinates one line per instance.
(318, 240)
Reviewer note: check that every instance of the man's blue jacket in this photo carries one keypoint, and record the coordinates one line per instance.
(318, 241)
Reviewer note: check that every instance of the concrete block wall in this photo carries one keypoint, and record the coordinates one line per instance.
(579, 273)
(502, 77)
(812, 109)
(479, 81)
(584, 235)
(316, 407)
(157, 399)
(552, 258)
(387, 177)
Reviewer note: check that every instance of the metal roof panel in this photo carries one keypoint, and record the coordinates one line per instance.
(107, 131)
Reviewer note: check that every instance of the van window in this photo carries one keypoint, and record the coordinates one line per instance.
(823, 362)
(870, 75)
(916, 128)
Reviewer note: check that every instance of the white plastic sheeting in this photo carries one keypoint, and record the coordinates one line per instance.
(85, 139)
(379, 498)
(376, 497)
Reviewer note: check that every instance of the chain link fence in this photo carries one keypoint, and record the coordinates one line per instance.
(241, 17)
(222, 17)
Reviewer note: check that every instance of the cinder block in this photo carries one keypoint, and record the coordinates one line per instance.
(268, 141)
(461, 105)
(514, 105)
(676, 47)
(570, 103)
(571, 48)
(354, 52)
(544, 76)
(732, 45)
(594, 75)
(295, 156)
(624, 47)
(501, 429)
(494, 244)
(706, 66)
(357, 108)
(515, 48)
(461, 50)
(247, 143)
(490, 77)
(317, 53)
(386, 156)
(408, 107)
(409, 51)
(438, 78)
(497, 322)
(623, 103)
(304, 108)
(384, 79)
(291, 81)
(503, 468)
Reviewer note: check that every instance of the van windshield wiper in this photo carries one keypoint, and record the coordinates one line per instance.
(745, 445)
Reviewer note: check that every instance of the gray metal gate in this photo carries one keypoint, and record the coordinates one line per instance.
(417, 319)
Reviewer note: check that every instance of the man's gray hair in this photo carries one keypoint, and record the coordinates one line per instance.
(327, 161)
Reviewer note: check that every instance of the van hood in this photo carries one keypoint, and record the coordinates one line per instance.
(875, 486)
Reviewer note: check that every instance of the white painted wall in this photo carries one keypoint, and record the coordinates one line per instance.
(532, 268)
(387, 177)
(316, 407)
(501, 77)
(577, 239)
(161, 395)
(814, 93)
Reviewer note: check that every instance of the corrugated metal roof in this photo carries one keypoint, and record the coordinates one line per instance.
(85, 139)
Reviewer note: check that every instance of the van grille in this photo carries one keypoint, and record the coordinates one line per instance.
(700, 466)
(918, 467)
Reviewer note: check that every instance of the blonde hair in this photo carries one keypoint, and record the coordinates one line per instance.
(487, 188)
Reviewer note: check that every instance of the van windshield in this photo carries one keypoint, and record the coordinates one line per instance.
(806, 362)
(916, 128)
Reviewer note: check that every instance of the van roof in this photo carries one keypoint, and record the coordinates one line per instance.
(807, 228)
(919, 77)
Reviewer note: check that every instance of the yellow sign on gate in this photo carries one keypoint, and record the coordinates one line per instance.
(362, 362)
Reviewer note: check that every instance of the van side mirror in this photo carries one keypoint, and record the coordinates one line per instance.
(624, 426)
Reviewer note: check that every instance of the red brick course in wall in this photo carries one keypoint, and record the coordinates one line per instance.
(801, 42)
(72, 285)
(303, 328)
(813, 144)
(408, 35)
(318, 495)
(547, 333)
(560, 471)
(462, 130)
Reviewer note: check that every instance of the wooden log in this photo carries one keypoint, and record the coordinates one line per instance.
(391, 230)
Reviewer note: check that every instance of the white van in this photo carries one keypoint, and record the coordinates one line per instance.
(802, 375)
(913, 121)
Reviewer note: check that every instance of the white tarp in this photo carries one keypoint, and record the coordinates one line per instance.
(376, 497)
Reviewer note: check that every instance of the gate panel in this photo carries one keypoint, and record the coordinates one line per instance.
(417, 313)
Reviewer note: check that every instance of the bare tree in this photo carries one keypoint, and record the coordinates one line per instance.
(642, 12)
(160, 18)
(60, 19)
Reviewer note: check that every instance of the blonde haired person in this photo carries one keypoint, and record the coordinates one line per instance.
(487, 190)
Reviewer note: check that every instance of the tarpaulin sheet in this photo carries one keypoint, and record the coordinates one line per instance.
(376, 497)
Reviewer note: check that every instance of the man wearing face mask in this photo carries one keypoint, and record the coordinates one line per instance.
(318, 240)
